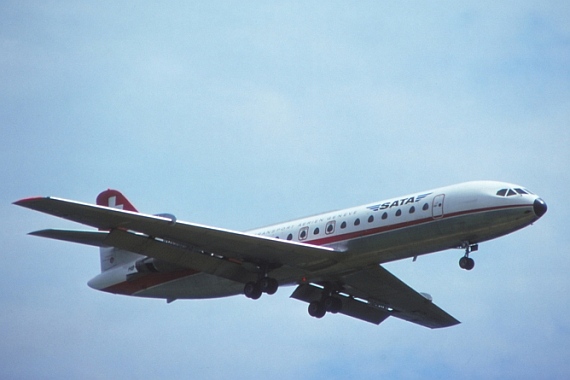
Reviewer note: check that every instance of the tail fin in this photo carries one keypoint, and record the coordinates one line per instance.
(112, 257)
(115, 199)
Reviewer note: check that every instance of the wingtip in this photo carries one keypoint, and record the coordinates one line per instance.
(23, 202)
(40, 233)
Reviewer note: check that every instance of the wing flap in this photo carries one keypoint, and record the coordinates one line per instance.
(350, 307)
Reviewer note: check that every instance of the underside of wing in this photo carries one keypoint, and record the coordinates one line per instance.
(374, 294)
(174, 254)
(350, 306)
(185, 238)
(384, 290)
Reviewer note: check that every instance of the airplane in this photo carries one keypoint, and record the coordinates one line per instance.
(334, 259)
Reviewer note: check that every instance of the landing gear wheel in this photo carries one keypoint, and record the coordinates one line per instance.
(466, 263)
(252, 290)
(317, 309)
(463, 262)
(268, 285)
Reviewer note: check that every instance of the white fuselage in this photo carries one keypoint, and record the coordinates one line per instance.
(397, 228)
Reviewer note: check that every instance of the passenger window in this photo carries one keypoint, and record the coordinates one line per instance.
(412, 210)
(316, 232)
(502, 192)
(371, 219)
(303, 232)
(426, 206)
(330, 227)
(385, 215)
(399, 212)
(290, 237)
(357, 222)
(343, 225)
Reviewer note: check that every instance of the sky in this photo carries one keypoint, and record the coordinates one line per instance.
(239, 115)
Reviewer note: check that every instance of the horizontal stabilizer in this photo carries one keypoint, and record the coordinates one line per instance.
(350, 306)
(82, 237)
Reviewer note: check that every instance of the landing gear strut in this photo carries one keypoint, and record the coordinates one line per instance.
(467, 262)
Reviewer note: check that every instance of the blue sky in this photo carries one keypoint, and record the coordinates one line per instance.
(241, 115)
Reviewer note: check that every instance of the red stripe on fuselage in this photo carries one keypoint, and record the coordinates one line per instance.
(392, 227)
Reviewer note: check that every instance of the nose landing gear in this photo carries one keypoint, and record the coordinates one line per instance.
(467, 262)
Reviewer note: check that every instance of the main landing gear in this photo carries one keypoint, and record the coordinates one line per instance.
(467, 262)
(330, 304)
(254, 290)
(327, 303)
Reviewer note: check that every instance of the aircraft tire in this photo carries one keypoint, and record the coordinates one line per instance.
(466, 263)
(269, 285)
(252, 290)
(317, 309)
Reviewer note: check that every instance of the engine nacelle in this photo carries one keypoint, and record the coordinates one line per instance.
(151, 265)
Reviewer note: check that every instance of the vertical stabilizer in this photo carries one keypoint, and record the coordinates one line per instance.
(112, 257)
(115, 199)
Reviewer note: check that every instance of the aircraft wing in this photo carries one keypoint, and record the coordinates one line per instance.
(172, 253)
(374, 294)
(381, 288)
(229, 244)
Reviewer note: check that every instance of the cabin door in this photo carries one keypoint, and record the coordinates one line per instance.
(437, 206)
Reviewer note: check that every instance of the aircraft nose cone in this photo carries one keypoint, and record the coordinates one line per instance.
(539, 207)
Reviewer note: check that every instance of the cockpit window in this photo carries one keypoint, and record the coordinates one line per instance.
(511, 192)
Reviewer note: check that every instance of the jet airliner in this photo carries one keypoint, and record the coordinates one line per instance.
(333, 259)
